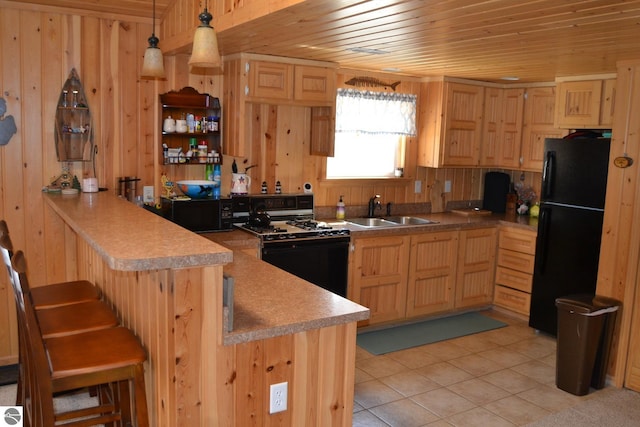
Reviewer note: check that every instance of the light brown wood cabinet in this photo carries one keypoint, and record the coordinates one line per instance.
(462, 125)
(378, 276)
(450, 124)
(253, 79)
(432, 273)
(514, 271)
(270, 81)
(538, 124)
(502, 127)
(585, 104)
(402, 277)
(476, 266)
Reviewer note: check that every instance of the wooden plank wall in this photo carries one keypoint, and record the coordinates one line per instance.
(39, 48)
(619, 268)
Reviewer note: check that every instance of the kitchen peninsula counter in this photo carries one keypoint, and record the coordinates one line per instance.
(270, 302)
(166, 285)
(132, 239)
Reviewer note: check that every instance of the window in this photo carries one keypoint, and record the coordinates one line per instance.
(371, 131)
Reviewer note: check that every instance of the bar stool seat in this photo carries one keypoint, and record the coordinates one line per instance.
(74, 319)
(51, 295)
(109, 359)
(62, 294)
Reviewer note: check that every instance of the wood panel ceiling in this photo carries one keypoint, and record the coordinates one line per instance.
(476, 39)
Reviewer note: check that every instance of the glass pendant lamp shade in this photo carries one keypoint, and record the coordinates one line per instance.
(153, 65)
(205, 52)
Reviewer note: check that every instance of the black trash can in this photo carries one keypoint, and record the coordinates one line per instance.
(585, 331)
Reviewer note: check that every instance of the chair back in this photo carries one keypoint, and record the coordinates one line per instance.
(6, 249)
(38, 404)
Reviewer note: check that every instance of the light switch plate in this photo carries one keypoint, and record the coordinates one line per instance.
(447, 186)
(148, 194)
(417, 187)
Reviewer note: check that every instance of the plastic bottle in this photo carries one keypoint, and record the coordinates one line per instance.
(340, 209)
(217, 181)
(208, 172)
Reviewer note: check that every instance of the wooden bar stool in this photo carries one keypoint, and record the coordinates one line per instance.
(56, 294)
(67, 319)
(109, 359)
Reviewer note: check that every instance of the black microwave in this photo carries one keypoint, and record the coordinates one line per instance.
(199, 215)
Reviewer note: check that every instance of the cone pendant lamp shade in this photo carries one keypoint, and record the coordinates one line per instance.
(153, 65)
(205, 52)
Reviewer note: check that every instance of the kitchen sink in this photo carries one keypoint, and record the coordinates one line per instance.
(389, 221)
(408, 220)
(372, 222)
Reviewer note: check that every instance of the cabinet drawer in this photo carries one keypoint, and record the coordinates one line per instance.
(516, 260)
(518, 240)
(513, 279)
(512, 299)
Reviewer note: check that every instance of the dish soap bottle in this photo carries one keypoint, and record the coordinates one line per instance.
(340, 209)
(535, 210)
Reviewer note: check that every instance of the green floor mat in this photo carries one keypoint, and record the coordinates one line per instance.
(430, 331)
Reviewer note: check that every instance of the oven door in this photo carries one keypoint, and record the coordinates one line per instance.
(322, 261)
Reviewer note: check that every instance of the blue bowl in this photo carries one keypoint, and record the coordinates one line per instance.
(196, 189)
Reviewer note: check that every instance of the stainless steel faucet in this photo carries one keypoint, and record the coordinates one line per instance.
(373, 204)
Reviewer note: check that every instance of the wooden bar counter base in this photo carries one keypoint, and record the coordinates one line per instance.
(165, 283)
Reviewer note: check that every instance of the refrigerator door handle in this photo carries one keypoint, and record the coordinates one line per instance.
(543, 228)
(547, 174)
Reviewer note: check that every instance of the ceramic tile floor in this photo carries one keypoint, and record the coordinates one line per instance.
(504, 377)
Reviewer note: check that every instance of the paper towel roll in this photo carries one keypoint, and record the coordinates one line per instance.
(90, 185)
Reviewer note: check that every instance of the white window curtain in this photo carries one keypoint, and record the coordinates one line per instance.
(375, 112)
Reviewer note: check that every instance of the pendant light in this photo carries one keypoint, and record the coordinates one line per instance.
(205, 52)
(153, 65)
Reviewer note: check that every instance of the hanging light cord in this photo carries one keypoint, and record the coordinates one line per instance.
(205, 17)
(153, 40)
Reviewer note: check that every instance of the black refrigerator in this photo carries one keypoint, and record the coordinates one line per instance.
(574, 182)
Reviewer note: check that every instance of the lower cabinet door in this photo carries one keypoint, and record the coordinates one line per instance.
(476, 267)
(432, 273)
(378, 277)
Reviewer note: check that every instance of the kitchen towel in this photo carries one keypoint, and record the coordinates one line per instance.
(427, 332)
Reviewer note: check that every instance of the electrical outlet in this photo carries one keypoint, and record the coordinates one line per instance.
(278, 398)
(447, 186)
(417, 187)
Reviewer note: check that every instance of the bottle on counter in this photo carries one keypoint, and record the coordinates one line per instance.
(217, 178)
(208, 172)
(340, 209)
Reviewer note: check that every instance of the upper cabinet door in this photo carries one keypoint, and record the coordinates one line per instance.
(539, 109)
(510, 136)
(271, 80)
(502, 128)
(314, 84)
(449, 124)
(463, 124)
(585, 104)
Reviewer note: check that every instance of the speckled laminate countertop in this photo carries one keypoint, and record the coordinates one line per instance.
(130, 238)
(270, 302)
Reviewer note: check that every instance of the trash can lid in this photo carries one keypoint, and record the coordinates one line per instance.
(589, 305)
